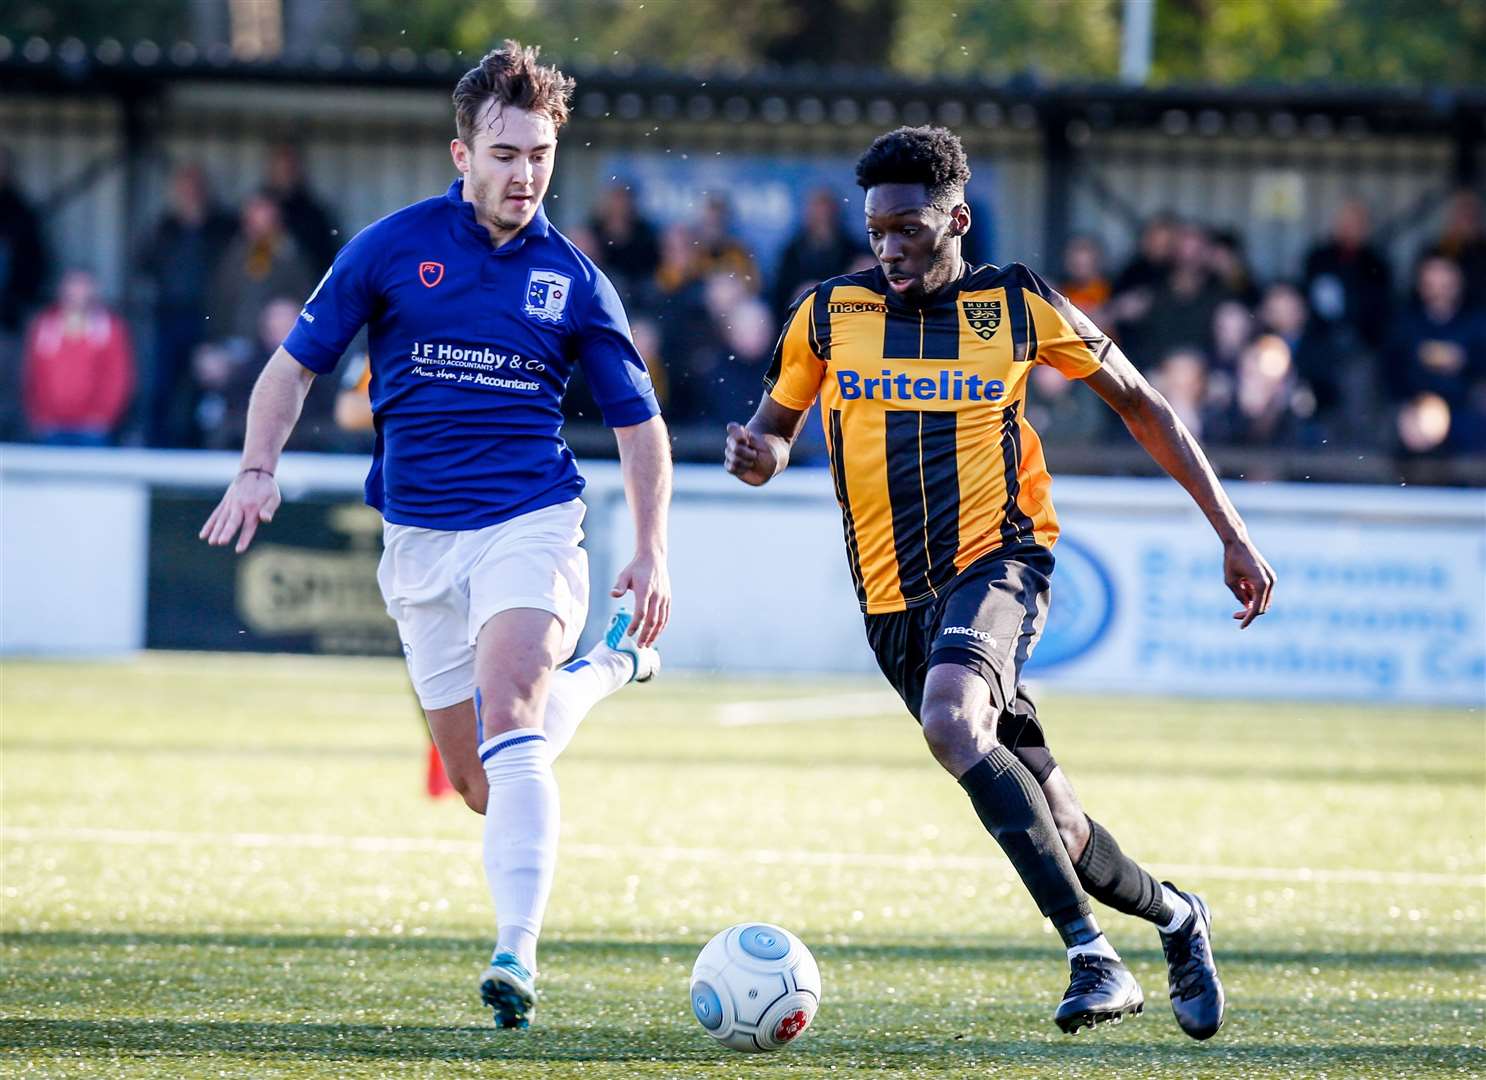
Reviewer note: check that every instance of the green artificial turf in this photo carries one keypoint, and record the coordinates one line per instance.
(225, 866)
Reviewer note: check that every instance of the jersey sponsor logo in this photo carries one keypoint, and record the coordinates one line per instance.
(984, 317)
(970, 632)
(547, 295)
(851, 307)
(430, 273)
(950, 385)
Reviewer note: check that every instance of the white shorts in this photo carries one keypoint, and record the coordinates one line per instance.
(442, 587)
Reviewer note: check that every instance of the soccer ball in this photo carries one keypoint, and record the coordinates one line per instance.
(755, 987)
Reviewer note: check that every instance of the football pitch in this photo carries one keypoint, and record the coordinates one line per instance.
(226, 866)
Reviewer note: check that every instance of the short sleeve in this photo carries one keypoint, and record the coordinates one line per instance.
(797, 370)
(1066, 338)
(338, 308)
(615, 370)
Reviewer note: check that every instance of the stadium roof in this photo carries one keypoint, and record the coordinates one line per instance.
(802, 95)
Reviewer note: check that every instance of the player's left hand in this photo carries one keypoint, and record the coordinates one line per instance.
(647, 577)
(1249, 578)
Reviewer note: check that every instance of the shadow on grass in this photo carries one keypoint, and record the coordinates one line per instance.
(617, 1044)
(591, 949)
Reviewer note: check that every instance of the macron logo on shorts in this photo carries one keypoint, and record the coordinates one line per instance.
(969, 631)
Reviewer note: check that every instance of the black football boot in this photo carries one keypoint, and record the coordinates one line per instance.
(1192, 976)
(1099, 990)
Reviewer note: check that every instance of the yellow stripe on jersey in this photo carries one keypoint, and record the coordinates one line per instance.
(933, 460)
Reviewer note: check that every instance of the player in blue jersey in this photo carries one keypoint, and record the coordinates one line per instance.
(477, 311)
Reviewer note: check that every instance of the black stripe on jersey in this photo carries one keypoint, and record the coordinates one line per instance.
(1015, 525)
(942, 331)
(848, 523)
(941, 494)
(905, 495)
(820, 325)
(776, 362)
(1023, 336)
(923, 487)
(902, 333)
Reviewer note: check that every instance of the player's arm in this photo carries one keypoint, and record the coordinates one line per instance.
(273, 410)
(758, 451)
(331, 316)
(621, 386)
(645, 462)
(1156, 427)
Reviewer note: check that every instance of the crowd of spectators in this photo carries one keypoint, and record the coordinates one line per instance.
(1351, 353)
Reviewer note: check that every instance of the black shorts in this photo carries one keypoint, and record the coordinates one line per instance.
(987, 620)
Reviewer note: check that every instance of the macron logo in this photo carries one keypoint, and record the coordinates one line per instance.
(971, 632)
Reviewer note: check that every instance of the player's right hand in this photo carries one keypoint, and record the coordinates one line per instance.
(252, 498)
(748, 456)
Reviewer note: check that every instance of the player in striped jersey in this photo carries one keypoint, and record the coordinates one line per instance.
(921, 367)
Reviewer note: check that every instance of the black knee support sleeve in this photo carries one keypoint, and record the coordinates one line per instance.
(1014, 810)
(1118, 881)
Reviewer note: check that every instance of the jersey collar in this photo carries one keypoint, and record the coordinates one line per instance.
(537, 228)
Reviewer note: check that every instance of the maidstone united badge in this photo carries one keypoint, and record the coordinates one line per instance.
(984, 317)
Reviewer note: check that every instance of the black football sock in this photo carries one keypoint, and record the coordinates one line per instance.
(1118, 881)
(1014, 810)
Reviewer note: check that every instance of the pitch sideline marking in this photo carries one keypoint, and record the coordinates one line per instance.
(757, 856)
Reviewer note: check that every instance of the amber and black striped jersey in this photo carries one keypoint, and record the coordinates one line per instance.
(924, 408)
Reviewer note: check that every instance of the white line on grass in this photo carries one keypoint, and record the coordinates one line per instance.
(756, 856)
(814, 707)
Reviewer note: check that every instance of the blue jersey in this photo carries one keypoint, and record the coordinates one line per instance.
(471, 350)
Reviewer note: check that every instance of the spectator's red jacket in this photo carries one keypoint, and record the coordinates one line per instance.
(79, 371)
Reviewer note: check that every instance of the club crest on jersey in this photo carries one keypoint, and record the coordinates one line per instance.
(430, 273)
(547, 295)
(984, 316)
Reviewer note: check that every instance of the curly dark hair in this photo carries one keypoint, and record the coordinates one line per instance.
(511, 75)
(931, 156)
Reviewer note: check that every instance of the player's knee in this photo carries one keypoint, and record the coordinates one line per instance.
(950, 728)
(1073, 828)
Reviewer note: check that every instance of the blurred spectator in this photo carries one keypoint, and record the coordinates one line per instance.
(180, 257)
(1182, 306)
(1463, 240)
(353, 411)
(1338, 378)
(625, 244)
(262, 262)
(1181, 377)
(1134, 287)
(226, 372)
(1347, 282)
(312, 226)
(1439, 345)
(23, 262)
(1233, 328)
(1058, 404)
(79, 367)
(1230, 266)
(23, 270)
(727, 379)
(1084, 281)
(1266, 409)
(718, 250)
(821, 248)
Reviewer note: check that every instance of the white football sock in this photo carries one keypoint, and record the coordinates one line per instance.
(1100, 946)
(521, 825)
(577, 687)
(1180, 909)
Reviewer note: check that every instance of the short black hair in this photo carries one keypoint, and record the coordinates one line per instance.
(931, 156)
